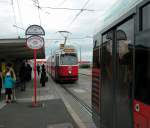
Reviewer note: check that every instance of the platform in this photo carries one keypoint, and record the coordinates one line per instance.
(52, 112)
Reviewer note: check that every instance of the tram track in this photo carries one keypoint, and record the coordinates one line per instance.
(75, 106)
(85, 107)
(78, 100)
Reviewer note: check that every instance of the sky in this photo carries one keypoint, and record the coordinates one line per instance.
(23, 13)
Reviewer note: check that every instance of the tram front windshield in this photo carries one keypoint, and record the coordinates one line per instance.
(68, 59)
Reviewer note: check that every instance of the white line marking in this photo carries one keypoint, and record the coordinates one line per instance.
(79, 90)
(76, 118)
(39, 98)
(2, 104)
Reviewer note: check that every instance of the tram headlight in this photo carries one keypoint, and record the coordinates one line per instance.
(69, 72)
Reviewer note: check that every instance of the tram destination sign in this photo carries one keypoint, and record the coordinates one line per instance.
(35, 30)
(35, 42)
(69, 50)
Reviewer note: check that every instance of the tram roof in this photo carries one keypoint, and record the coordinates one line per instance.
(13, 49)
(116, 14)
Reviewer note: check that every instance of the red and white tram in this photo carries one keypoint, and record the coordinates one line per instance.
(121, 69)
(63, 64)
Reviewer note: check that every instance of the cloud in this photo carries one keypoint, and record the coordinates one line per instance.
(54, 20)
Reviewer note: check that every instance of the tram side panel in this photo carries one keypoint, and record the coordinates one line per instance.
(124, 72)
(96, 87)
(52, 67)
(54, 70)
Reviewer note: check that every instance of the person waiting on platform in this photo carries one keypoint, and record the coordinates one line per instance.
(38, 69)
(29, 72)
(22, 75)
(1, 83)
(43, 76)
(8, 84)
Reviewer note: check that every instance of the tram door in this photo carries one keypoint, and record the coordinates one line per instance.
(57, 67)
(124, 73)
(142, 71)
(96, 85)
(107, 89)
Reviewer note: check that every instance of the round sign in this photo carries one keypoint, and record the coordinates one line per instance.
(35, 30)
(35, 42)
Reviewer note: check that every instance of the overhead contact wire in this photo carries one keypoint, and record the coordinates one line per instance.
(78, 14)
(37, 4)
(14, 16)
(71, 9)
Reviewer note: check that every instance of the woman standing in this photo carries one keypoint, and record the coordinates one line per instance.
(8, 84)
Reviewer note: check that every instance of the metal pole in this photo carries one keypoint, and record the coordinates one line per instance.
(65, 41)
(80, 54)
(35, 86)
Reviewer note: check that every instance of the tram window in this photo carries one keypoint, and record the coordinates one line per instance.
(146, 17)
(52, 60)
(124, 74)
(125, 41)
(57, 60)
(106, 93)
(95, 43)
(68, 59)
(142, 74)
(96, 58)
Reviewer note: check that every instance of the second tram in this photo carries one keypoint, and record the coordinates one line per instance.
(121, 71)
(63, 64)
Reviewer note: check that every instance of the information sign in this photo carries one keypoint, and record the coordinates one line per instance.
(35, 30)
(35, 42)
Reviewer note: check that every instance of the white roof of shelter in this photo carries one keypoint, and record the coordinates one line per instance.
(13, 49)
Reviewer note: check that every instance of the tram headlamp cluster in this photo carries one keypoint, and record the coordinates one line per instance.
(69, 72)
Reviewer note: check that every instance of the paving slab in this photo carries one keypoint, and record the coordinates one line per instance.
(51, 114)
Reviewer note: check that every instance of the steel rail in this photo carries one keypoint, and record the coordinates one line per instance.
(81, 102)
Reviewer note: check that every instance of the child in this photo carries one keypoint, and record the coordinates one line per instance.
(8, 84)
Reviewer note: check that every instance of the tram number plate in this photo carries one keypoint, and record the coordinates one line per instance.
(63, 125)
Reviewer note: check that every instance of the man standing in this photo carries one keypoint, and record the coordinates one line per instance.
(22, 75)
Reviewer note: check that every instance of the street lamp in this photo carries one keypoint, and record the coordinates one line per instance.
(80, 53)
